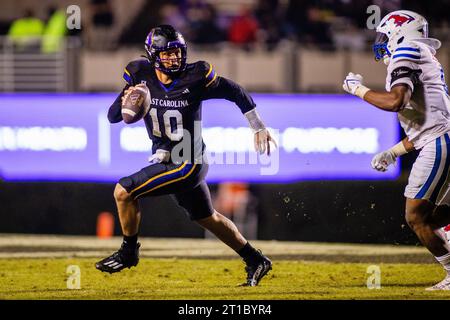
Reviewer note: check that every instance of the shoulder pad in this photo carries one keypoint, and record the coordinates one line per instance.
(136, 65)
(203, 67)
(408, 51)
(208, 72)
(191, 66)
(133, 67)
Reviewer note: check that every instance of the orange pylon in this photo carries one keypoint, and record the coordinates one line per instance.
(105, 225)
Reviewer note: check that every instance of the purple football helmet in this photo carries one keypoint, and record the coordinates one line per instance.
(164, 38)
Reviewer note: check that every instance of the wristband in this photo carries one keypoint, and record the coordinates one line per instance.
(398, 150)
(361, 91)
(254, 120)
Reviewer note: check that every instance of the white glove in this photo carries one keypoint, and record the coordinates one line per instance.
(159, 156)
(353, 84)
(383, 160)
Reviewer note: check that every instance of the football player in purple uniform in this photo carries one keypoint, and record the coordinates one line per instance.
(177, 90)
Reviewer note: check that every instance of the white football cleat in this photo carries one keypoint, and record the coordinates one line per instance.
(443, 285)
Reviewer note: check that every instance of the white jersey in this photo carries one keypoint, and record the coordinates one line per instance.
(427, 115)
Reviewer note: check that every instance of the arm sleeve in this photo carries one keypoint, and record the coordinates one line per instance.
(223, 88)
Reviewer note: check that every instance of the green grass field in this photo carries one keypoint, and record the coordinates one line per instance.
(32, 269)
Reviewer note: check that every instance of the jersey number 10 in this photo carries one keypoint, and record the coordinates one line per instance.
(173, 124)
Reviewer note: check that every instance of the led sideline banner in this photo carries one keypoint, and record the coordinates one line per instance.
(67, 137)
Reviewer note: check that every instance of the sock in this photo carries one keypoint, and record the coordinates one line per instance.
(130, 242)
(250, 254)
(445, 261)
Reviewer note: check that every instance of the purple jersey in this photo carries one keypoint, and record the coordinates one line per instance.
(175, 111)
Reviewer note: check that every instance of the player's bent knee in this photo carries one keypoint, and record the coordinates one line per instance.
(120, 194)
(417, 213)
(204, 221)
(413, 219)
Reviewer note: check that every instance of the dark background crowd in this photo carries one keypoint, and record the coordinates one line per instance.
(328, 24)
(310, 22)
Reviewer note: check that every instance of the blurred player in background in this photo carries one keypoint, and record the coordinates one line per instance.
(417, 91)
(177, 90)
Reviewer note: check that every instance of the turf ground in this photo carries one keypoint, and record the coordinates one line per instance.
(34, 267)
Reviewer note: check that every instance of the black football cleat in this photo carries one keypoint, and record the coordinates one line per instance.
(121, 259)
(256, 271)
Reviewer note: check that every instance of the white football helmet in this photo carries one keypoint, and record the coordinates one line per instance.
(398, 27)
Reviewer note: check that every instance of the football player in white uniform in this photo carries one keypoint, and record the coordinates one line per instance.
(416, 90)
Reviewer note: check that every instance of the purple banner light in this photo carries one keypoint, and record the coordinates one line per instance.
(68, 137)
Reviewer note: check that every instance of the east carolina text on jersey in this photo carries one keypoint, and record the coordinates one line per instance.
(170, 103)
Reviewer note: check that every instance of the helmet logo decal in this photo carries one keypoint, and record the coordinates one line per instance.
(399, 20)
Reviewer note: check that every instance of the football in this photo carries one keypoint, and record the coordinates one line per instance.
(135, 103)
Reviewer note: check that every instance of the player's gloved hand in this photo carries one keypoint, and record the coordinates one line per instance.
(353, 84)
(383, 160)
(126, 93)
(159, 156)
(262, 141)
(130, 89)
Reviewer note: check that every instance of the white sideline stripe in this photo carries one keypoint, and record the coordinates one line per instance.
(129, 112)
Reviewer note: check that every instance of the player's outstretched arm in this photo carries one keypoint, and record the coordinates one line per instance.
(223, 88)
(393, 101)
(383, 160)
